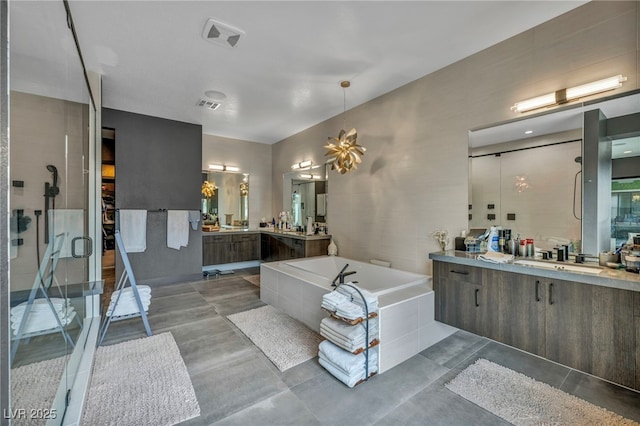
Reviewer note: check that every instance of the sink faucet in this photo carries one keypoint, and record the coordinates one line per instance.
(341, 275)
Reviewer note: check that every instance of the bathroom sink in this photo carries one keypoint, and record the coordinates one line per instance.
(560, 266)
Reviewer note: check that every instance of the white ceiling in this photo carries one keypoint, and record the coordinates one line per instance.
(283, 76)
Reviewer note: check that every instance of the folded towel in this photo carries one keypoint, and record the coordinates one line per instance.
(349, 380)
(345, 361)
(495, 257)
(370, 299)
(349, 310)
(350, 332)
(133, 230)
(331, 300)
(177, 229)
(347, 345)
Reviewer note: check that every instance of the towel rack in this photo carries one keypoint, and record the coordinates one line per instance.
(127, 275)
(43, 282)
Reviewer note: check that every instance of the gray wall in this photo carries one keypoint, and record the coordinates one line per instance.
(158, 164)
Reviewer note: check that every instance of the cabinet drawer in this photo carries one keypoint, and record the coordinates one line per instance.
(211, 239)
(458, 273)
(243, 238)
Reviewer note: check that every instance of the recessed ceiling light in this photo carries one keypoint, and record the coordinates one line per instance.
(215, 95)
(627, 152)
(528, 132)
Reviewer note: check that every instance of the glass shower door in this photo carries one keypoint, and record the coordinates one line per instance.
(49, 203)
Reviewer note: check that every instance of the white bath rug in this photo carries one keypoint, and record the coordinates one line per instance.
(33, 389)
(140, 382)
(284, 340)
(522, 400)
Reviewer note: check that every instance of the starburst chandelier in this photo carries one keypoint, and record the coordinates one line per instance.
(343, 151)
(208, 189)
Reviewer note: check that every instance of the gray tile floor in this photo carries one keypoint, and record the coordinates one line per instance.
(237, 385)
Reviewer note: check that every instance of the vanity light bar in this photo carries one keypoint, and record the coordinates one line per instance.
(224, 168)
(308, 176)
(302, 165)
(565, 95)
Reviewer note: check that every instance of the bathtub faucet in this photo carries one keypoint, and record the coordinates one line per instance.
(341, 275)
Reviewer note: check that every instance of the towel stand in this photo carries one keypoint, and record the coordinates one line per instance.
(127, 275)
(43, 283)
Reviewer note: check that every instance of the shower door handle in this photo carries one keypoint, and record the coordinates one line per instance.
(88, 246)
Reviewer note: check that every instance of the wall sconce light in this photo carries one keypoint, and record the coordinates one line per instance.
(302, 165)
(224, 168)
(563, 96)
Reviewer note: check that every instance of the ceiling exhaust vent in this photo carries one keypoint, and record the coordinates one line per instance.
(220, 33)
(208, 104)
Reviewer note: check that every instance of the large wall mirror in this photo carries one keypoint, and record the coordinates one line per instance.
(226, 201)
(568, 176)
(305, 194)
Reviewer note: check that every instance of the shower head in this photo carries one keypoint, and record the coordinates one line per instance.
(53, 169)
(578, 160)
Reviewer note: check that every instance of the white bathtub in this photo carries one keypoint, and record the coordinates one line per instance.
(406, 301)
(376, 279)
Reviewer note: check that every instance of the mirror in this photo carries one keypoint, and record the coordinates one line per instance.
(532, 183)
(226, 203)
(305, 194)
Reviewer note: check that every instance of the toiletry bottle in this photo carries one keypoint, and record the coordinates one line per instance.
(493, 240)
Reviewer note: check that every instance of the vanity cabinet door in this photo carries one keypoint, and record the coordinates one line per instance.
(518, 317)
(216, 249)
(245, 247)
(461, 297)
(636, 312)
(589, 328)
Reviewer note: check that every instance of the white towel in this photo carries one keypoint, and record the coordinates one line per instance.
(495, 257)
(69, 222)
(347, 362)
(133, 230)
(194, 218)
(350, 332)
(177, 229)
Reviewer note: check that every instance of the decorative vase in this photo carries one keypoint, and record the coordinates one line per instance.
(332, 249)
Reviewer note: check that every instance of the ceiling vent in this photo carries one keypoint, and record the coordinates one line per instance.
(220, 33)
(207, 104)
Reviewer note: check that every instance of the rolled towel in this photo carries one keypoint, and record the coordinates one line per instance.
(41, 304)
(347, 362)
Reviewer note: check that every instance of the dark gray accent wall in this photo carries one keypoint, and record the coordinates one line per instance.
(158, 167)
(625, 168)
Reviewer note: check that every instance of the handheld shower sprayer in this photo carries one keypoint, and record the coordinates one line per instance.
(50, 192)
(54, 187)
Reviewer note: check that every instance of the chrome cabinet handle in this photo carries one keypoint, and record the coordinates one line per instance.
(459, 272)
(551, 293)
(537, 290)
(477, 291)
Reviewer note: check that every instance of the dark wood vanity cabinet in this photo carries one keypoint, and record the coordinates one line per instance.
(220, 249)
(283, 247)
(587, 327)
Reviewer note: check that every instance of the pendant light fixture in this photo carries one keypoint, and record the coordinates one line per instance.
(343, 151)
